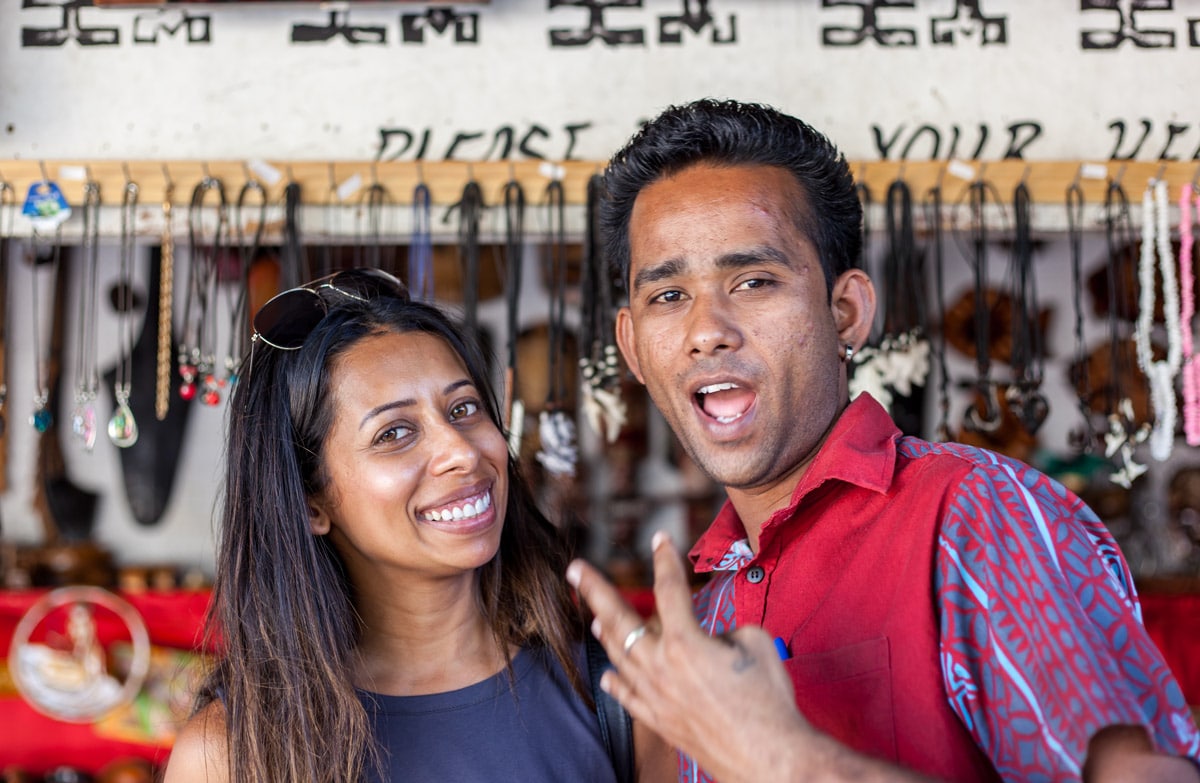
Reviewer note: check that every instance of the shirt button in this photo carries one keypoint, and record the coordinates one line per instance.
(755, 574)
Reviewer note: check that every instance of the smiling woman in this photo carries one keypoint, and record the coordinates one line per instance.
(386, 589)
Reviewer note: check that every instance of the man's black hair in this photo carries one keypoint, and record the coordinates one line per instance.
(732, 133)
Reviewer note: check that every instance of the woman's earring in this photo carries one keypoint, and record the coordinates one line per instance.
(848, 354)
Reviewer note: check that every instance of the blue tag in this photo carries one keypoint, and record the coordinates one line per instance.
(45, 205)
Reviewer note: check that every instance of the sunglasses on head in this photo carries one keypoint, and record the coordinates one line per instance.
(288, 318)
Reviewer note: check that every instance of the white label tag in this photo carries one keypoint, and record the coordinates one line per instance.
(349, 187)
(264, 171)
(961, 170)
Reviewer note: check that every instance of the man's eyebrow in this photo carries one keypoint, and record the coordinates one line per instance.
(657, 272)
(673, 267)
(754, 257)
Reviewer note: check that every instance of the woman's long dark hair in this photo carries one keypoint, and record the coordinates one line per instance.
(283, 613)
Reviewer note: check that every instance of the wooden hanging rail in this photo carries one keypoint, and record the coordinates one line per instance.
(325, 182)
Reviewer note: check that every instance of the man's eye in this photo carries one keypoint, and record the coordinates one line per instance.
(668, 296)
(757, 282)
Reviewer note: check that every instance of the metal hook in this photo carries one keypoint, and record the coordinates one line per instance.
(1078, 177)
(1162, 170)
(420, 171)
(941, 177)
(1024, 176)
(45, 175)
(1116, 181)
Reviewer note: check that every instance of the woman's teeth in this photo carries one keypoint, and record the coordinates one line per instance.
(464, 511)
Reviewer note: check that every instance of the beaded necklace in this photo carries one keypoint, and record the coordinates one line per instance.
(1190, 368)
(1156, 243)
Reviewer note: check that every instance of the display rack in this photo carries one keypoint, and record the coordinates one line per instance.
(325, 182)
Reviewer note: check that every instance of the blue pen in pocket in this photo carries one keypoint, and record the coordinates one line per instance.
(781, 648)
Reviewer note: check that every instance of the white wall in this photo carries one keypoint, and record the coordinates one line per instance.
(231, 82)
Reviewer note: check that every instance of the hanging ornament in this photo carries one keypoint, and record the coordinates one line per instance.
(556, 428)
(246, 249)
(47, 209)
(87, 384)
(122, 428)
(420, 252)
(599, 363)
(166, 305)
(7, 203)
(1188, 198)
(514, 251)
(197, 349)
(1156, 254)
(1024, 396)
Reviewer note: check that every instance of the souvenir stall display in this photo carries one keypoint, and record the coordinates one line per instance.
(1043, 308)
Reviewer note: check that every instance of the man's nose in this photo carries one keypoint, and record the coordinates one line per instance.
(711, 326)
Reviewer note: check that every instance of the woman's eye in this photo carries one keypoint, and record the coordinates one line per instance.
(393, 434)
(464, 409)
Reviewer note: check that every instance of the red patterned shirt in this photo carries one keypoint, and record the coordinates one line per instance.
(1041, 641)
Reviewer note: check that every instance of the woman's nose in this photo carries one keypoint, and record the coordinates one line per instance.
(452, 448)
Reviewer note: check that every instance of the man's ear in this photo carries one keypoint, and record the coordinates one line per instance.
(318, 519)
(853, 307)
(626, 343)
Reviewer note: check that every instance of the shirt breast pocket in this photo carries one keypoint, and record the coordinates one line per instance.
(847, 693)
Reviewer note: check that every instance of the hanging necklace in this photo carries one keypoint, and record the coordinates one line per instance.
(1082, 438)
(371, 209)
(87, 376)
(166, 305)
(293, 255)
(514, 248)
(900, 361)
(122, 427)
(420, 249)
(598, 361)
(556, 429)
(1187, 282)
(990, 418)
(1156, 242)
(46, 208)
(197, 354)
(42, 416)
(7, 207)
(470, 210)
(1123, 432)
(245, 253)
(933, 219)
(1024, 396)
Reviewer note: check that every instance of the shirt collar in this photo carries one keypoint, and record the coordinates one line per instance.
(860, 450)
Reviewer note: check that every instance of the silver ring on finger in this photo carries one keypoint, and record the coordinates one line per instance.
(632, 638)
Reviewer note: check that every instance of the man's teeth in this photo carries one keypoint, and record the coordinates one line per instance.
(465, 511)
(720, 387)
